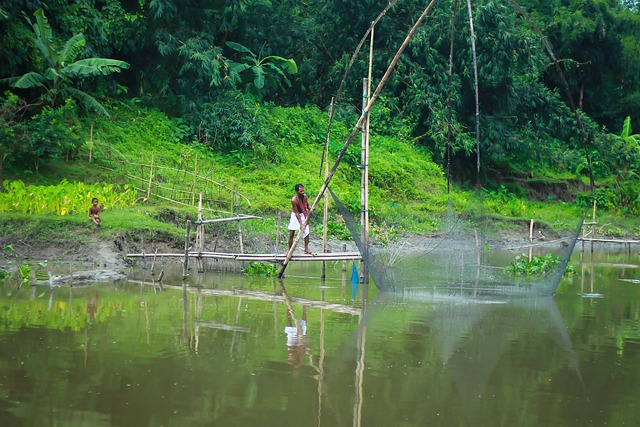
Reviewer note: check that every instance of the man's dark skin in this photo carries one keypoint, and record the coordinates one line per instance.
(300, 205)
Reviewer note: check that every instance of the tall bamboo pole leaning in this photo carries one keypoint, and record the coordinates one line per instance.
(477, 90)
(454, 9)
(325, 218)
(348, 69)
(354, 132)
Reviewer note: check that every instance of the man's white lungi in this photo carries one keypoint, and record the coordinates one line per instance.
(295, 225)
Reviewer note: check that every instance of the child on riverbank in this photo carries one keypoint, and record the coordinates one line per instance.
(94, 211)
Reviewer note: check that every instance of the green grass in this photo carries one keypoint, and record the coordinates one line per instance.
(76, 230)
(408, 192)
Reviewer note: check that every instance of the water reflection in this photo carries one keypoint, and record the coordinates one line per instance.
(231, 350)
(472, 339)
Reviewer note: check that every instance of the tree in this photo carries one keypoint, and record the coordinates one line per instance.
(59, 70)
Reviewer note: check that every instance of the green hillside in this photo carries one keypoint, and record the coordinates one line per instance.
(408, 192)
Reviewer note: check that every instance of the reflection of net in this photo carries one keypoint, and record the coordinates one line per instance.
(465, 257)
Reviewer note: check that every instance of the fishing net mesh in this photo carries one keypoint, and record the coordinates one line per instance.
(465, 256)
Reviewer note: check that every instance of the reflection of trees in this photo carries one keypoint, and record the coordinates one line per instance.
(69, 308)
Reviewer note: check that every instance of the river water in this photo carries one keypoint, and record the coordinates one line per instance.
(232, 350)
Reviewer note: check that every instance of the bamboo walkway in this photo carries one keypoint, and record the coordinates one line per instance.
(332, 256)
(605, 240)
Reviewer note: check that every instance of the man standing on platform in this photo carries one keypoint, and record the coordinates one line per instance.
(299, 212)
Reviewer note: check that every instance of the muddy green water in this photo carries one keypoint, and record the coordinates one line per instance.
(236, 351)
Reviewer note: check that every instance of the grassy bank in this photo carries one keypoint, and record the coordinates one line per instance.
(122, 155)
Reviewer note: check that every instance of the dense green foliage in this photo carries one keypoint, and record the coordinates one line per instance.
(224, 71)
(60, 68)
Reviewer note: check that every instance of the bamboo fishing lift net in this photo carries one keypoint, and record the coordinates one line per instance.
(463, 257)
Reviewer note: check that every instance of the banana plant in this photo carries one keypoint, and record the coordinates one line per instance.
(61, 69)
(626, 133)
(268, 71)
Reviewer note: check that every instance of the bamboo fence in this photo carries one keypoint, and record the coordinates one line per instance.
(179, 185)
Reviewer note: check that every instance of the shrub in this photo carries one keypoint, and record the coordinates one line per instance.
(52, 134)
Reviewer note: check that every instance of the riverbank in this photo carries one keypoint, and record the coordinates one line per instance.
(96, 251)
(71, 240)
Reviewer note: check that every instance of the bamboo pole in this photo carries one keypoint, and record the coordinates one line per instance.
(363, 181)
(348, 69)
(240, 217)
(358, 400)
(477, 91)
(364, 216)
(454, 9)
(531, 240)
(366, 163)
(195, 177)
(200, 236)
(593, 225)
(331, 256)
(325, 218)
(150, 175)
(239, 226)
(278, 232)
(344, 263)
(321, 380)
(186, 250)
(355, 130)
(153, 263)
(91, 143)
(531, 231)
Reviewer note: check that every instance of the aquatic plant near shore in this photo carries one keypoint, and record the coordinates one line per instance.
(260, 269)
(536, 266)
(25, 269)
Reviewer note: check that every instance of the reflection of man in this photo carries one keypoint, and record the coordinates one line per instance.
(296, 336)
(299, 212)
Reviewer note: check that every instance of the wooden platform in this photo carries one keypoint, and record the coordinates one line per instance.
(603, 240)
(333, 256)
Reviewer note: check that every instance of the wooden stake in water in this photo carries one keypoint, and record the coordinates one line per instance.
(200, 237)
(235, 195)
(186, 250)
